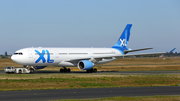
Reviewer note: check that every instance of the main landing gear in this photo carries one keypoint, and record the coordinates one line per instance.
(68, 70)
(65, 70)
(91, 70)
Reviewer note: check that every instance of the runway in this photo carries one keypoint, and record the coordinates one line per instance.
(108, 72)
(117, 72)
(44, 95)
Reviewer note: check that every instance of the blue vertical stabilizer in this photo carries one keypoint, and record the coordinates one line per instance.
(122, 42)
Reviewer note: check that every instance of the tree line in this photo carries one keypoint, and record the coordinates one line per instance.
(5, 56)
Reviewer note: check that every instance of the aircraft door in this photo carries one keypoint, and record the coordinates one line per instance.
(56, 54)
(91, 53)
(30, 54)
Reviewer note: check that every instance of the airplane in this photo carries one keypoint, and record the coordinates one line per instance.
(83, 58)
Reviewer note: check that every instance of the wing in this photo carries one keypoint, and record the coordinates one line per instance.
(141, 54)
(96, 59)
(99, 58)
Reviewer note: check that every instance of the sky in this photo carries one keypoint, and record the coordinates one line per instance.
(89, 23)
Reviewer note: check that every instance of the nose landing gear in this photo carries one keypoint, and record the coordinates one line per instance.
(31, 69)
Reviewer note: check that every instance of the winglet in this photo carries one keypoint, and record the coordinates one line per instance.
(172, 50)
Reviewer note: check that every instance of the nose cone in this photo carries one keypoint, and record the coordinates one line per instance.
(15, 59)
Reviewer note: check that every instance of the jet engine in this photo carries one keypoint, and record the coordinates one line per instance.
(85, 64)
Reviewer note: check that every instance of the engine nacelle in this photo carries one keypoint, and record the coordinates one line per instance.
(85, 64)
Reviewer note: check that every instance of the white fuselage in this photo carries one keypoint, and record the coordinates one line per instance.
(63, 56)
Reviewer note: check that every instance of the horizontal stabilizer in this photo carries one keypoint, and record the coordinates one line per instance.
(126, 51)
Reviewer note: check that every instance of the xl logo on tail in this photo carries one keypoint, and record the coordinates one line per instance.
(123, 42)
(41, 57)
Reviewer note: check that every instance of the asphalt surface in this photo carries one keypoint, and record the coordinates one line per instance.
(44, 95)
(109, 72)
(116, 72)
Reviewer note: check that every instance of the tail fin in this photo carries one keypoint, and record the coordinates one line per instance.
(172, 50)
(122, 42)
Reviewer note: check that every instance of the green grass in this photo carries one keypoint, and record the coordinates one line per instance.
(121, 98)
(58, 81)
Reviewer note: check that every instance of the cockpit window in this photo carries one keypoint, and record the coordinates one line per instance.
(18, 53)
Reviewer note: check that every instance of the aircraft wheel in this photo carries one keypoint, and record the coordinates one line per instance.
(88, 71)
(31, 70)
(95, 70)
(68, 70)
(91, 70)
(61, 70)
